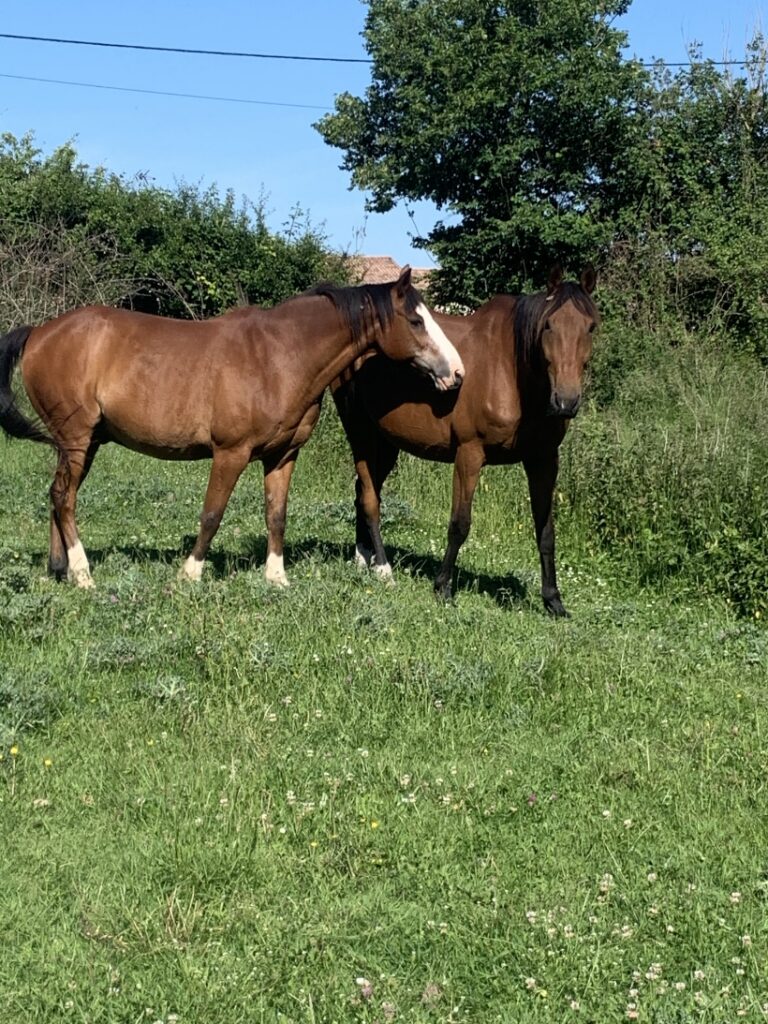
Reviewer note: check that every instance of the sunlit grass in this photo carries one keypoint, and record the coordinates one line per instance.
(348, 802)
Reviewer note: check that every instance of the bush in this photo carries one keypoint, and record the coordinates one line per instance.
(86, 235)
(673, 478)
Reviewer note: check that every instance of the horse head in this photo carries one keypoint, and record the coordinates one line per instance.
(566, 322)
(414, 335)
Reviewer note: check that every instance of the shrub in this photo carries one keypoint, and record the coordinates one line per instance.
(673, 478)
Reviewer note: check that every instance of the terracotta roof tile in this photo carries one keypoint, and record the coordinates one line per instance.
(380, 269)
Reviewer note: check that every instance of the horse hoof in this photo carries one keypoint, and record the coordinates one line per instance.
(278, 581)
(444, 593)
(384, 573)
(191, 571)
(556, 608)
(82, 580)
(363, 557)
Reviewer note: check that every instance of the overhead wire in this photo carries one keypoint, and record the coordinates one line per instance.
(162, 92)
(291, 56)
(187, 50)
(233, 53)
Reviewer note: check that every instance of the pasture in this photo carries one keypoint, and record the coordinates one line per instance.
(229, 803)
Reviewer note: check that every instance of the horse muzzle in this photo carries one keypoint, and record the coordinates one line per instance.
(451, 383)
(445, 377)
(564, 406)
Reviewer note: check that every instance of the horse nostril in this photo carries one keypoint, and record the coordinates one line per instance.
(565, 406)
(458, 377)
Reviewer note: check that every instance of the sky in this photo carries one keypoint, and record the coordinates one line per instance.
(267, 148)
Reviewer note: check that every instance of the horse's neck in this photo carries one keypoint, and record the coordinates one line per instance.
(322, 341)
(496, 325)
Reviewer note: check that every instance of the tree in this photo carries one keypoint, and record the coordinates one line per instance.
(690, 203)
(511, 117)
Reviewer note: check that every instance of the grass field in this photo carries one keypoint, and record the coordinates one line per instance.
(346, 802)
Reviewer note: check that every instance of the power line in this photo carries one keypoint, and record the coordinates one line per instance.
(183, 49)
(292, 56)
(159, 92)
(690, 63)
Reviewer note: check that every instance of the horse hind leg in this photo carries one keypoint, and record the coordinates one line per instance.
(58, 563)
(66, 553)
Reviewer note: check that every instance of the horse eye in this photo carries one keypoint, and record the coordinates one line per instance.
(415, 321)
(547, 326)
(592, 328)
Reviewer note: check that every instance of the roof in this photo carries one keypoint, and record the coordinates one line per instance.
(381, 269)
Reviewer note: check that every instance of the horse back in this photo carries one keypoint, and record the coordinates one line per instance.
(137, 375)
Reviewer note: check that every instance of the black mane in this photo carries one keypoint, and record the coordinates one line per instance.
(363, 306)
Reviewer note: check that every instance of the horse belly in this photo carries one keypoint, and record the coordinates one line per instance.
(169, 430)
(167, 448)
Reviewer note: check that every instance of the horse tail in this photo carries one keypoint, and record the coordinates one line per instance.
(12, 419)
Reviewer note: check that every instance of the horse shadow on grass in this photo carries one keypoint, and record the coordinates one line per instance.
(507, 591)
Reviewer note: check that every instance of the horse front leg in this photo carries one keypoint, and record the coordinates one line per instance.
(466, 471)
(542, 476)
(277, 480)
(226, 468)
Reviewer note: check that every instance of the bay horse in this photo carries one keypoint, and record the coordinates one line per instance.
(524, 358)
(243, 386)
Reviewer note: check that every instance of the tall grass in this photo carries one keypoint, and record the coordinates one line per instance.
(672, 478)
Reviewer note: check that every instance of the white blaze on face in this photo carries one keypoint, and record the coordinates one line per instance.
(79, 570)
(192, 569)
(440, 340)
(275, 570)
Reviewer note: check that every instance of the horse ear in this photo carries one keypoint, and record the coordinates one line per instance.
(555, 279)
(588, 279)
(404, 281)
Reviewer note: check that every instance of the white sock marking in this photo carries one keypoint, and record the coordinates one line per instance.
(79, 571)
(275, 570)
(363, 556)
(384, 572)
(192, 569)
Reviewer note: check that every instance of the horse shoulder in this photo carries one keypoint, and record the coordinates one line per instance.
(490, 396)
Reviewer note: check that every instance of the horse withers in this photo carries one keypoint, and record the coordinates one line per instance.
(236, 388)
(524, 358)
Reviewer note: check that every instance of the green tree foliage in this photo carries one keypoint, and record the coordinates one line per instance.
(699, 201)
(511, 117)
(523, 123)
(187, 252)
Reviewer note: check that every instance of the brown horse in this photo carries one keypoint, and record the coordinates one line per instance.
(524, 359)
(243, 386)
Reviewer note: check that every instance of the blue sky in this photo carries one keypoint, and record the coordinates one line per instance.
(254, 149)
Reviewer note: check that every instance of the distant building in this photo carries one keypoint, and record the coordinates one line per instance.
(380, 269)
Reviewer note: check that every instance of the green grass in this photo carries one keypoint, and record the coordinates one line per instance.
(228, 803)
